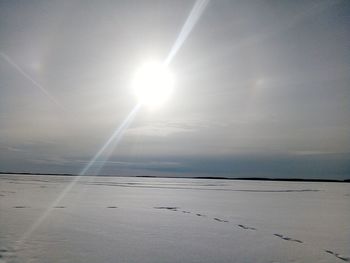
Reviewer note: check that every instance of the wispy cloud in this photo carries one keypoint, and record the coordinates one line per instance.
(14, 149)
(162, 129)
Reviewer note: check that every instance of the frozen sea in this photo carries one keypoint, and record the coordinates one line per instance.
(126, 219)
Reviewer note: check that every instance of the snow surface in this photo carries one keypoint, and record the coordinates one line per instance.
(125, 219)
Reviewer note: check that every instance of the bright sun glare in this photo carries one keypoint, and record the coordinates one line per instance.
(153, 84)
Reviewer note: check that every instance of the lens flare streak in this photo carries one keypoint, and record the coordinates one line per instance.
(25, 75)
(114, 138)
(101, 155)
(191, 21)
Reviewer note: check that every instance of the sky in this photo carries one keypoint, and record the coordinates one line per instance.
(262, 88)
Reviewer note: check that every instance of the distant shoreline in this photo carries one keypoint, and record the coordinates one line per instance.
(198, 177)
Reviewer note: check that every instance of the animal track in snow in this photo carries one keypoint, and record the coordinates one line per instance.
(198, 214)
(287, 238)
(247, 227)
(338, 255)
(171, 208)
(220, 220)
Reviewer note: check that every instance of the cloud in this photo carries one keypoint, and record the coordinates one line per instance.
(163, 129)
(14, 149)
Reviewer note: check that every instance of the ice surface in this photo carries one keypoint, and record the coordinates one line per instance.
(111, 219)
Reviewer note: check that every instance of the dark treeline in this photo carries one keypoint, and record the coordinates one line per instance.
(198, 177)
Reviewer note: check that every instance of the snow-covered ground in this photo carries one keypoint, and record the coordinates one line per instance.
(111, 219)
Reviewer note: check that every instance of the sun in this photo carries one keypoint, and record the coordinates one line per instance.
(153, 84)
